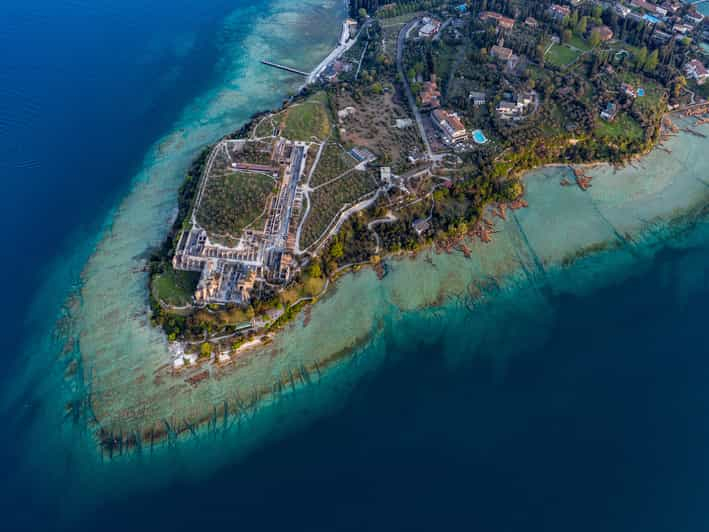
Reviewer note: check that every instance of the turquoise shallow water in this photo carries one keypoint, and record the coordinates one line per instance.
(203, 81)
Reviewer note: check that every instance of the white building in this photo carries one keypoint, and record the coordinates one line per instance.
(449, 124)
(430, 28)
(696, 70)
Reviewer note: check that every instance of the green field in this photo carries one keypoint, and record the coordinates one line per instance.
(333, 162)
(326, 202)
(265, 127)
(580, 43)
(622, 128)
(652, 99)
(307, 120)
(232, 201)
(561, 55)
(175, 287)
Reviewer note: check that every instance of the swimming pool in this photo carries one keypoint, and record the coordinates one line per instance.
(479, 137)
(651, 19)
(641, 92)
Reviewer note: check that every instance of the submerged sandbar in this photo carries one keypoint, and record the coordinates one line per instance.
(621, 220)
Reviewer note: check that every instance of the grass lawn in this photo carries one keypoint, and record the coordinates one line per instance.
(580, 43)
(308, 119)
(653, 91)
(623, 127)
(265, 127)
(400, 20)
(561, 55)
(311, 286)
(334, 161)
(443, 59)
(175, 287)
(233, 200)
(326, 202)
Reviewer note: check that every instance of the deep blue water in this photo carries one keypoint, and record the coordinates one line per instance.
(603, 427)
(85, 88)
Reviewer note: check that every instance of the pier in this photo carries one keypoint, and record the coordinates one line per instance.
(284, 67)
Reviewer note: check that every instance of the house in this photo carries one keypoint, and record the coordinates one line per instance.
(696, 70)
(351, 26)
(575, 3)
(661, 36)
(681, 28)
(516, 106)
(421, 225)
(478, 98)
(362, 154)
(671, 7)
(628, 90)
(531, 22)
(609, 111)
(694, 17)
(644, 5)
(500, 52)
(506, 109)
(430, 27)
(501, 20)
(605, 33)
(622, 10)
(559, 12)
(449, 124)
(430, 95)
(385, 174)
(334, 69)
(346, 112)
(524, 99)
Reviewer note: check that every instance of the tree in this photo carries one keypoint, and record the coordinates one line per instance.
(651, 63)
(337, 250)
(540, 55)
(205, 350)
(315, 270)
(595, 38)
(574, 19)
(582, 26)
(641, 58)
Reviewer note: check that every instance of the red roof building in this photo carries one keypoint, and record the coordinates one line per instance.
(501, 20)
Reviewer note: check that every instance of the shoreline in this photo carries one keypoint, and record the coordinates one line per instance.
(503, 272)
(128, 414)
(489, 209)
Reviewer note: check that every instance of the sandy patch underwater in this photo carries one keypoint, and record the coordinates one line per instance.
(567, 240)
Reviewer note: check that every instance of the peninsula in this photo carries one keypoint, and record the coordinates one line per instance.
(413, 136)
(418, 125)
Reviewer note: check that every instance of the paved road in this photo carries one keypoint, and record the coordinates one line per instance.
(407, 89)
(340, 49)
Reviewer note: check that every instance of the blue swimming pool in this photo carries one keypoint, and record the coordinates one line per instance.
(479, 137)
(641, 92)
(651, 19)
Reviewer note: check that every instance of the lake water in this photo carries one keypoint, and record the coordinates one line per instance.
(578, 403)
